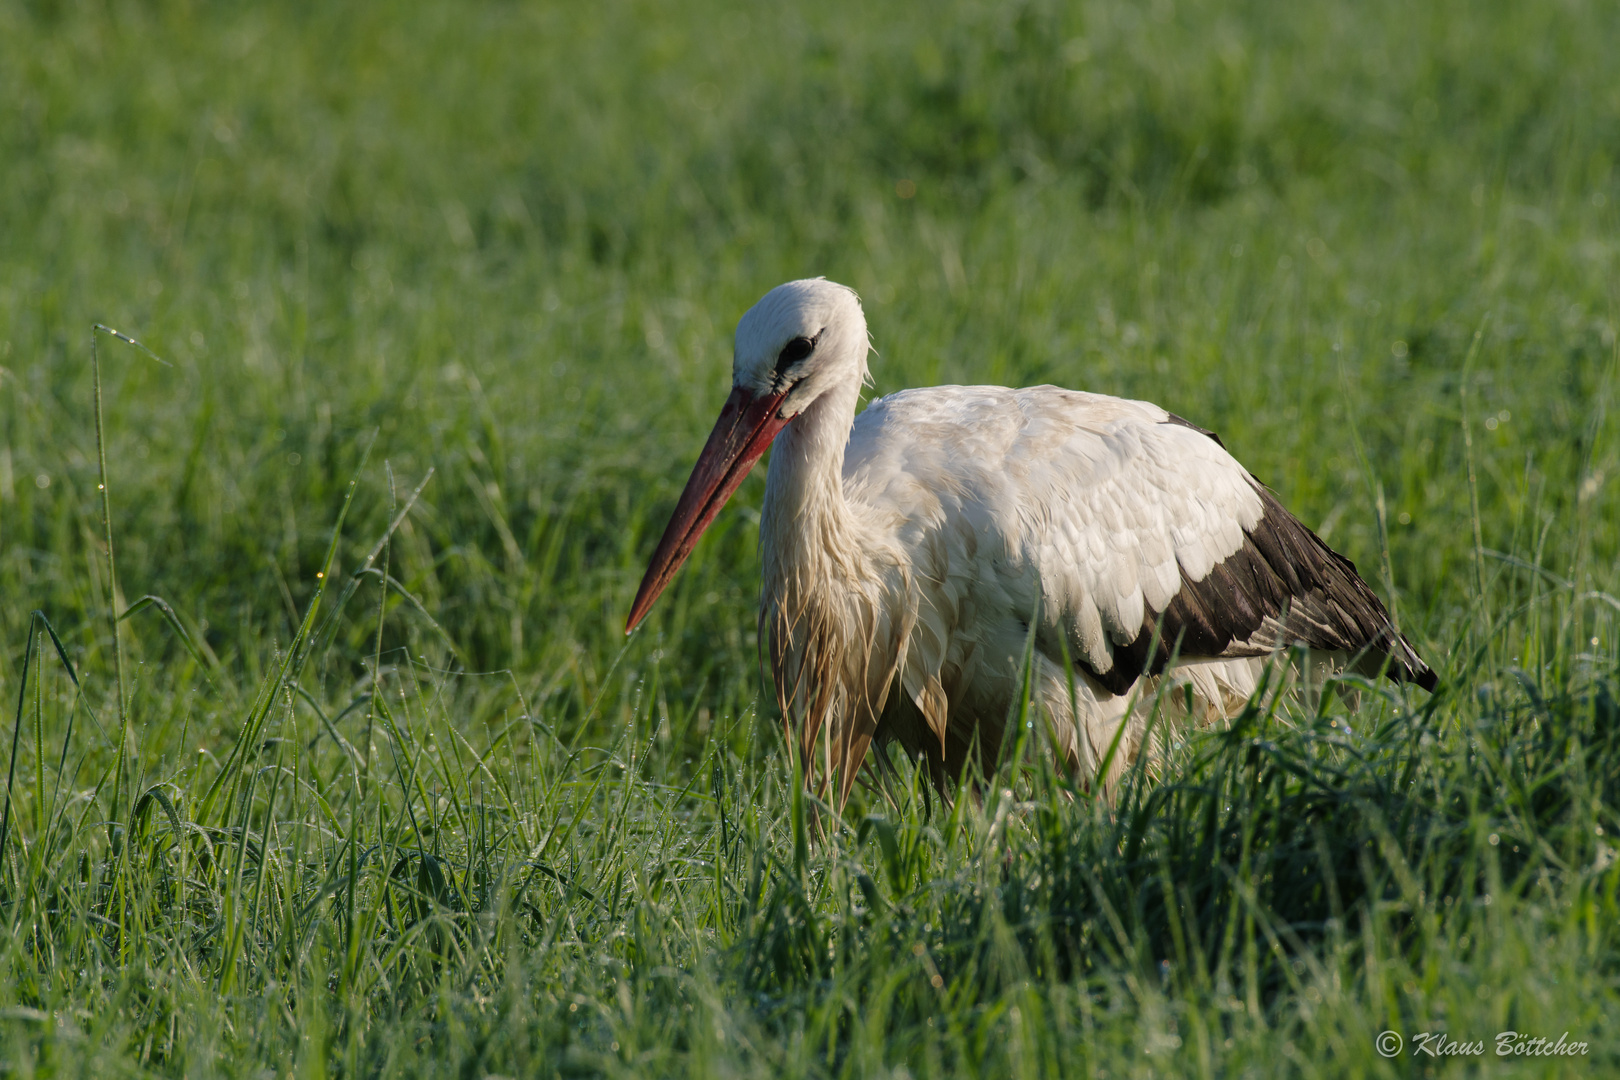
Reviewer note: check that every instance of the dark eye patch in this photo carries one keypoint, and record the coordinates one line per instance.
(794, 351)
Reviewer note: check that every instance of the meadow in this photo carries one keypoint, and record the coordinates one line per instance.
(436, 305)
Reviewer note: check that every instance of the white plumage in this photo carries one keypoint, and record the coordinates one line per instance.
(906, 551)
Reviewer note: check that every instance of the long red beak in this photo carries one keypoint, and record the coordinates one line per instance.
(745, 429)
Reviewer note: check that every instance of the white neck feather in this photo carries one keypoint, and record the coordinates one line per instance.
(824, 589)
(809, 534)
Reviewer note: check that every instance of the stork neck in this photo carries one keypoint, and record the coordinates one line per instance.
(804, 488)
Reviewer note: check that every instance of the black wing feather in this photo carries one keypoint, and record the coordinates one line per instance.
(1283, 587)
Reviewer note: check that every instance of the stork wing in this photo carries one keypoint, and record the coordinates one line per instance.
(1117, 520)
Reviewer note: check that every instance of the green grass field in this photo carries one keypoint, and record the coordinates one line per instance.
(406, 802)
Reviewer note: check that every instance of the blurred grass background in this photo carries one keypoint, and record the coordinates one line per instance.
(509, 242)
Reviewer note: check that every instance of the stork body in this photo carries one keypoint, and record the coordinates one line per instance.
(907, 552)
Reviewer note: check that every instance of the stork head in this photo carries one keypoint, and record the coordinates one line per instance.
(801, 340)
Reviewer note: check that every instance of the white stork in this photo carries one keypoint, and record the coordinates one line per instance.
(906, 551)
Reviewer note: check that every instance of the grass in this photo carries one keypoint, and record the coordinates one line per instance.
(383, 790)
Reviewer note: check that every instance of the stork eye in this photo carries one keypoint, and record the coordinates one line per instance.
(794, 351)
